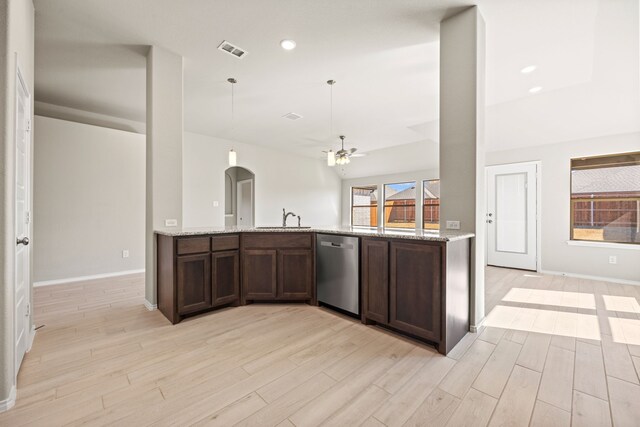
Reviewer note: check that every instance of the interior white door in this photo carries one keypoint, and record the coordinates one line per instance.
(245, 202)
(22, 291)
(511, 215)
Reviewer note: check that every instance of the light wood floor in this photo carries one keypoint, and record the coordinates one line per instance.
(102, 358)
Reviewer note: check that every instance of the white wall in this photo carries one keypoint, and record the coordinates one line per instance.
(556, 255)
(303, 185)
(416, 156)
(16, 39)
(89, 200)
(380, 181)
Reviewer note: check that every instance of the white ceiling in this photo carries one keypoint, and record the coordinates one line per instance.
(90, 56)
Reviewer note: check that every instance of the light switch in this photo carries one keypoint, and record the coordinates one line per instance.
(170, 222)
(453, 225)
(125, 253)
(215, 204)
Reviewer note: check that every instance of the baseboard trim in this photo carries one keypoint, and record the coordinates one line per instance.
(8, 403)
(150, 306)
(589, 277)
(85, 278)
(477, 328)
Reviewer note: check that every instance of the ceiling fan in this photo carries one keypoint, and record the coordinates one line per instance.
(342, 156)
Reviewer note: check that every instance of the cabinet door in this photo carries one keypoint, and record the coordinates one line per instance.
(259, 279)
(194, 283)
(375, 280)
(295, 274)
(225, 276)
(415, 289)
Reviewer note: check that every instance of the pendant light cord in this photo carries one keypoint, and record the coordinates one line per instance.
(233, 82)
(331, 115)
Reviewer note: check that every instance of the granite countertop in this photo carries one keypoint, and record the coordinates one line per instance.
(429, 235)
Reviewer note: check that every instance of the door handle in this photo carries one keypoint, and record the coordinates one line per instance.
(23, 241)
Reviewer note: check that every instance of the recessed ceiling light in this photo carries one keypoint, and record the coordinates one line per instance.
(535, 89)
(529, 69)
(288, 44)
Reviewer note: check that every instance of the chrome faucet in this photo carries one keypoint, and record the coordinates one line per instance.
(285, 216)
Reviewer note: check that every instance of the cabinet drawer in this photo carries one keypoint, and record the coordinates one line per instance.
(277, 240)
(225, 243)
(193, 245)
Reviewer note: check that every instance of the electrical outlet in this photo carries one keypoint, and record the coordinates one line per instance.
(170, 222)
(125, 253)
(453, 225)
(215, 204)
(613, 259)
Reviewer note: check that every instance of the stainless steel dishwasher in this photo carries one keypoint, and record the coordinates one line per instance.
(337, 274)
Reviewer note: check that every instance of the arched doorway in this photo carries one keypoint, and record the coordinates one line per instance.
(239, 197)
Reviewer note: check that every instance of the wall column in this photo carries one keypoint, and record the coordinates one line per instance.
(164, 153)
(462, 158)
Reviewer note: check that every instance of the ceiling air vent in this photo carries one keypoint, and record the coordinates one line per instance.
(292, 116)
(231, 49)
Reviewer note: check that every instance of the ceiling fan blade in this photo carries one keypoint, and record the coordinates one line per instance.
(353, 150)
(359, 155)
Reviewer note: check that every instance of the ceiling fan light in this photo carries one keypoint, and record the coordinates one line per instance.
(331, 158)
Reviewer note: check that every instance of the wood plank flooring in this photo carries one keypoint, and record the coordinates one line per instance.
(555, 351)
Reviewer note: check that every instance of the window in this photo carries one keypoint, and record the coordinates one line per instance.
(605, 198)
(431, 204)
(364, 206)
(400, 205)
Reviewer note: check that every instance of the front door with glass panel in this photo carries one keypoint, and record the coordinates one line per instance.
(511, 215)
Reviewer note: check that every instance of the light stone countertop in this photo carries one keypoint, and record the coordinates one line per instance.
(428, 235)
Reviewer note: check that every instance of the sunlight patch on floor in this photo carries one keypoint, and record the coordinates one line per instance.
(556, 298)
(623, 304)
(625, 331)
(550, 322)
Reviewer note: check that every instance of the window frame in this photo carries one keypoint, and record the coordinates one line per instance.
(424, 199)
(377, 205)
(384, 205)
(572, 201)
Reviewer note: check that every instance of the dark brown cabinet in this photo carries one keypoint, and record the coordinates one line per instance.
(259, 274)
(419, 288)
(414, 289)
(196, 274)
(225, 276)
(375, 280)
(295, 274)
(278, 267)
(194, 283)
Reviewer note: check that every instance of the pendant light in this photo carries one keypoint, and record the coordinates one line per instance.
(331, 157)
(233, 157)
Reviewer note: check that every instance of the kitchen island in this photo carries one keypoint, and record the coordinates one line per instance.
(412, 282)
